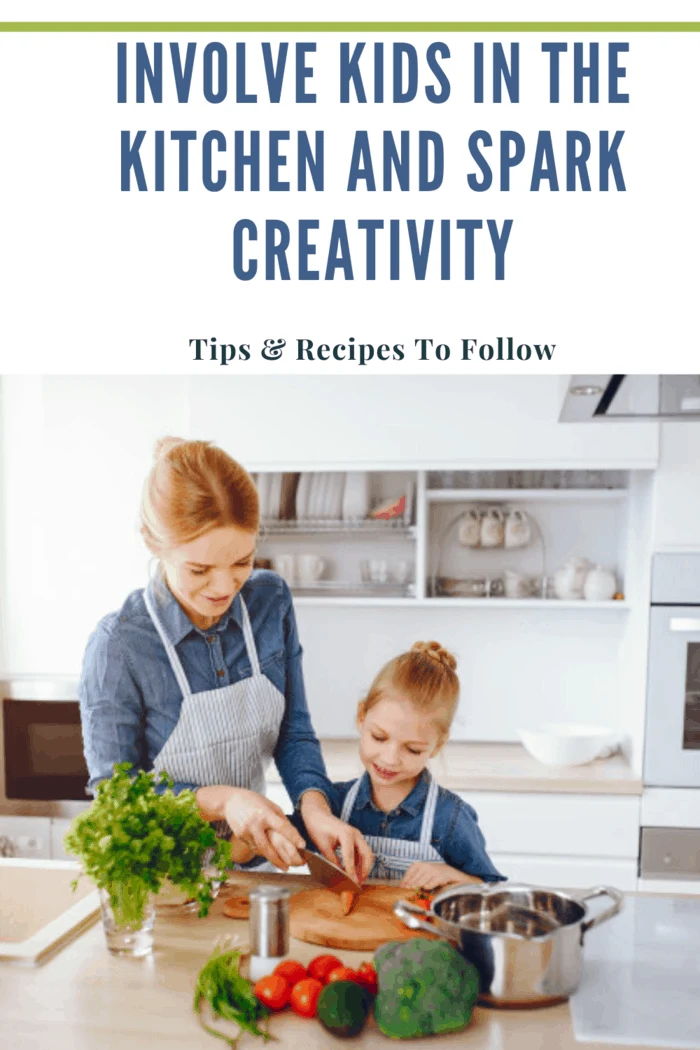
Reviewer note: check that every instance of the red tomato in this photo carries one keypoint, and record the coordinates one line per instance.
(305, 996)
(322, 965)
(273, 990)
(367, 977)
(292, 971)
(341, 973)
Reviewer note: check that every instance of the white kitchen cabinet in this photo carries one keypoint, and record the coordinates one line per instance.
(677, 502)
(59, 827)
(550, 825)
(567, 873)
(26, 837)
(567, 841)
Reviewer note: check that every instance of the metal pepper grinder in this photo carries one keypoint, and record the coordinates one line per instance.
(268, 929)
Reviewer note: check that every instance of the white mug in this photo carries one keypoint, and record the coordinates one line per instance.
(470, 529)
(310, 567)
(518, 530)
(492, 528)
(284, 564)
(515, 584)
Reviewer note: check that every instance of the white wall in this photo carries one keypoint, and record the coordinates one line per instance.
(517, 667)
(270, 421)
(75, 451)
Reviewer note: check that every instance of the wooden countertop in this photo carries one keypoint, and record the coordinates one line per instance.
(498, 767)
(85, 998)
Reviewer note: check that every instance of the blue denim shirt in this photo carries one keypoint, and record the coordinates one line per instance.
(130, 700)
(456, 833)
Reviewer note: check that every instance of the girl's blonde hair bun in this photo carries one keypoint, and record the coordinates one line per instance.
(436, 652)
(426, 676)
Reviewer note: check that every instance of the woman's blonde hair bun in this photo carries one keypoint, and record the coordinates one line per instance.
(436, 652)
(164, 446)
(194, 487)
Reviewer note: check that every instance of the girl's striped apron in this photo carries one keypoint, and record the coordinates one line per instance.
(393, 857)
(226, 735)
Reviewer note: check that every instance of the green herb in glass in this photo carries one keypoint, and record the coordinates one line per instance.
(133, 838)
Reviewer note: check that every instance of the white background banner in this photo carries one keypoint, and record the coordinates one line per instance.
(98, 277)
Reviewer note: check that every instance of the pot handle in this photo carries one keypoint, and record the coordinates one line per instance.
(408, 913)
(615, 896)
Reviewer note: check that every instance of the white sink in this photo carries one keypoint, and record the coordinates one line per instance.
(39, 912)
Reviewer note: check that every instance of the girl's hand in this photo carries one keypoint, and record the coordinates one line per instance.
(329, 833)
(429, 875)
(253, 819)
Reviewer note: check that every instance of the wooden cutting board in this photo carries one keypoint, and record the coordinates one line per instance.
(316, 916)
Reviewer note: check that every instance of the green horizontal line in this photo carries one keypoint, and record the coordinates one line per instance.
(349, 27)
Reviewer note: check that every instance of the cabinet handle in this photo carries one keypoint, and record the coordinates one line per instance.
(682, 623)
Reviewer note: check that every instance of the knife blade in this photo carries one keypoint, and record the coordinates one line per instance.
(329, 874)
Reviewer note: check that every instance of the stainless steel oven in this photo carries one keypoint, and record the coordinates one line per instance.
(42, 740)
(672, 739)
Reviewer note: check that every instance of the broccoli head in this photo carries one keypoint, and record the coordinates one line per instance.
(425, 987)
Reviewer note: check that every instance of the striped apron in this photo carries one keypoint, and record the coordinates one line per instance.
(226, 735)
(393, 857)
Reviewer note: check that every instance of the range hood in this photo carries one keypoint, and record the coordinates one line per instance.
(624, 399)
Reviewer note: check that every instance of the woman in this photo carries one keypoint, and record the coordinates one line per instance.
(200, 673)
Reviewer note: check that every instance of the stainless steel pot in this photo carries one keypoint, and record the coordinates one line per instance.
(525, 942)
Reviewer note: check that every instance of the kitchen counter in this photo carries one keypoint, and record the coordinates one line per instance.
(498, 767)
(459, 767)
(85, 998)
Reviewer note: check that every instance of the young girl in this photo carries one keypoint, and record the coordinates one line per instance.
(420, 833)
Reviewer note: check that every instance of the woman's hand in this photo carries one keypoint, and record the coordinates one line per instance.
(329, 833)
(252, 819)
(429, 875)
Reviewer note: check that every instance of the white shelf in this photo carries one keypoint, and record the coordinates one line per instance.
(481, 603)
(528, 603)
(363, 599)
(511, 495)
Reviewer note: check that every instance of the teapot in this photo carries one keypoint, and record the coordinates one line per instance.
(570, 579)
(600, 585)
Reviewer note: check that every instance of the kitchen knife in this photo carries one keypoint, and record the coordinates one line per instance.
(330, 874)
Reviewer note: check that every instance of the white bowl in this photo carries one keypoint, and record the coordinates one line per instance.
(567, 743)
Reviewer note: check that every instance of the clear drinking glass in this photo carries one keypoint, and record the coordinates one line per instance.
(401, 572)
(125, 938)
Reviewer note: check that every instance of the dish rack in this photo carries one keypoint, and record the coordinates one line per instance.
(396, 526)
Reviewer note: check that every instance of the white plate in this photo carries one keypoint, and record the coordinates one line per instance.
(275, 495)
(356, 498)
(337, 501)
(303, 492)
(316, 493)
(264, 494)
(324, 499)
(312, 513)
